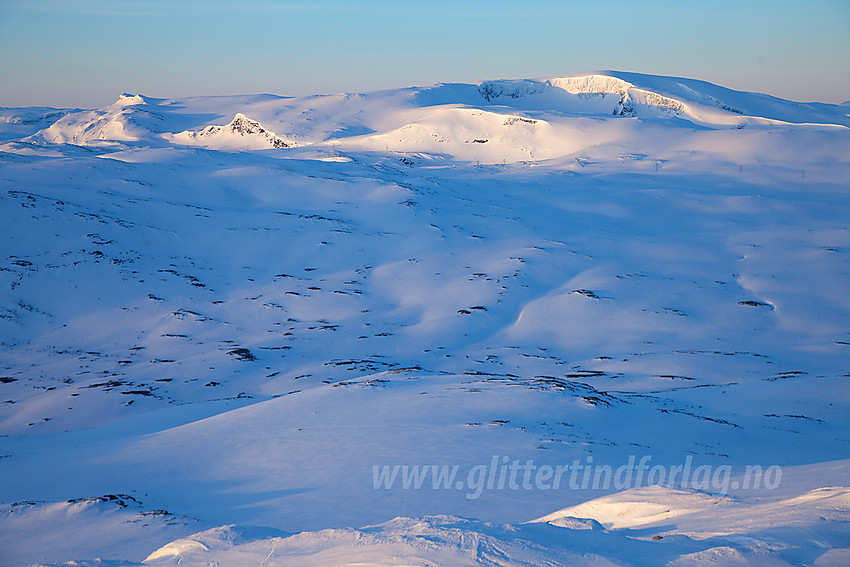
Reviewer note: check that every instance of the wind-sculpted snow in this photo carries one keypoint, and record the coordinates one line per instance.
(392, 328)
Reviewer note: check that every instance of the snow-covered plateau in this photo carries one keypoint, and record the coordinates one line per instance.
(601, 319)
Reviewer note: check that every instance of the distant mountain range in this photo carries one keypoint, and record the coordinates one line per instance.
(600, 319)
(510, 120)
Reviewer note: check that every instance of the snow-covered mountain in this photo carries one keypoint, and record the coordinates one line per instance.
(598, 319)
(130, 119)
(241, 133)
(492, 122)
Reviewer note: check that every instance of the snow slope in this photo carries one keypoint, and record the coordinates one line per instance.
(228, 320)
(241, 133)
(129, 119)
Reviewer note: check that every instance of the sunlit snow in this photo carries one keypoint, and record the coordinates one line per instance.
(590, 320)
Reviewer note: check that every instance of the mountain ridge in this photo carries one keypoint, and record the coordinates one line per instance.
(369, 119)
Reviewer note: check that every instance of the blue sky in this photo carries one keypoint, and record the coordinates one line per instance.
(86, 52)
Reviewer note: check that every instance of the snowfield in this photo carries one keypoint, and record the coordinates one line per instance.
(600, 319)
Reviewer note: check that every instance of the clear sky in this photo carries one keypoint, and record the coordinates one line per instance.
(86, 52)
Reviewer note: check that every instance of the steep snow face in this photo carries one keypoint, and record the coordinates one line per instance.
(584, 87)
(126, 99)
(647, 96)
(714, 104)
(591, 84)
(492, 90)
(242, 133)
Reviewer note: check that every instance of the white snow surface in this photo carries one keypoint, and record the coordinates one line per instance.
(241, 133)
(225, 318)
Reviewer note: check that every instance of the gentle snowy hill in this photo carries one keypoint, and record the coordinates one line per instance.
(129, 119)
(16, 123)
(394, 327)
